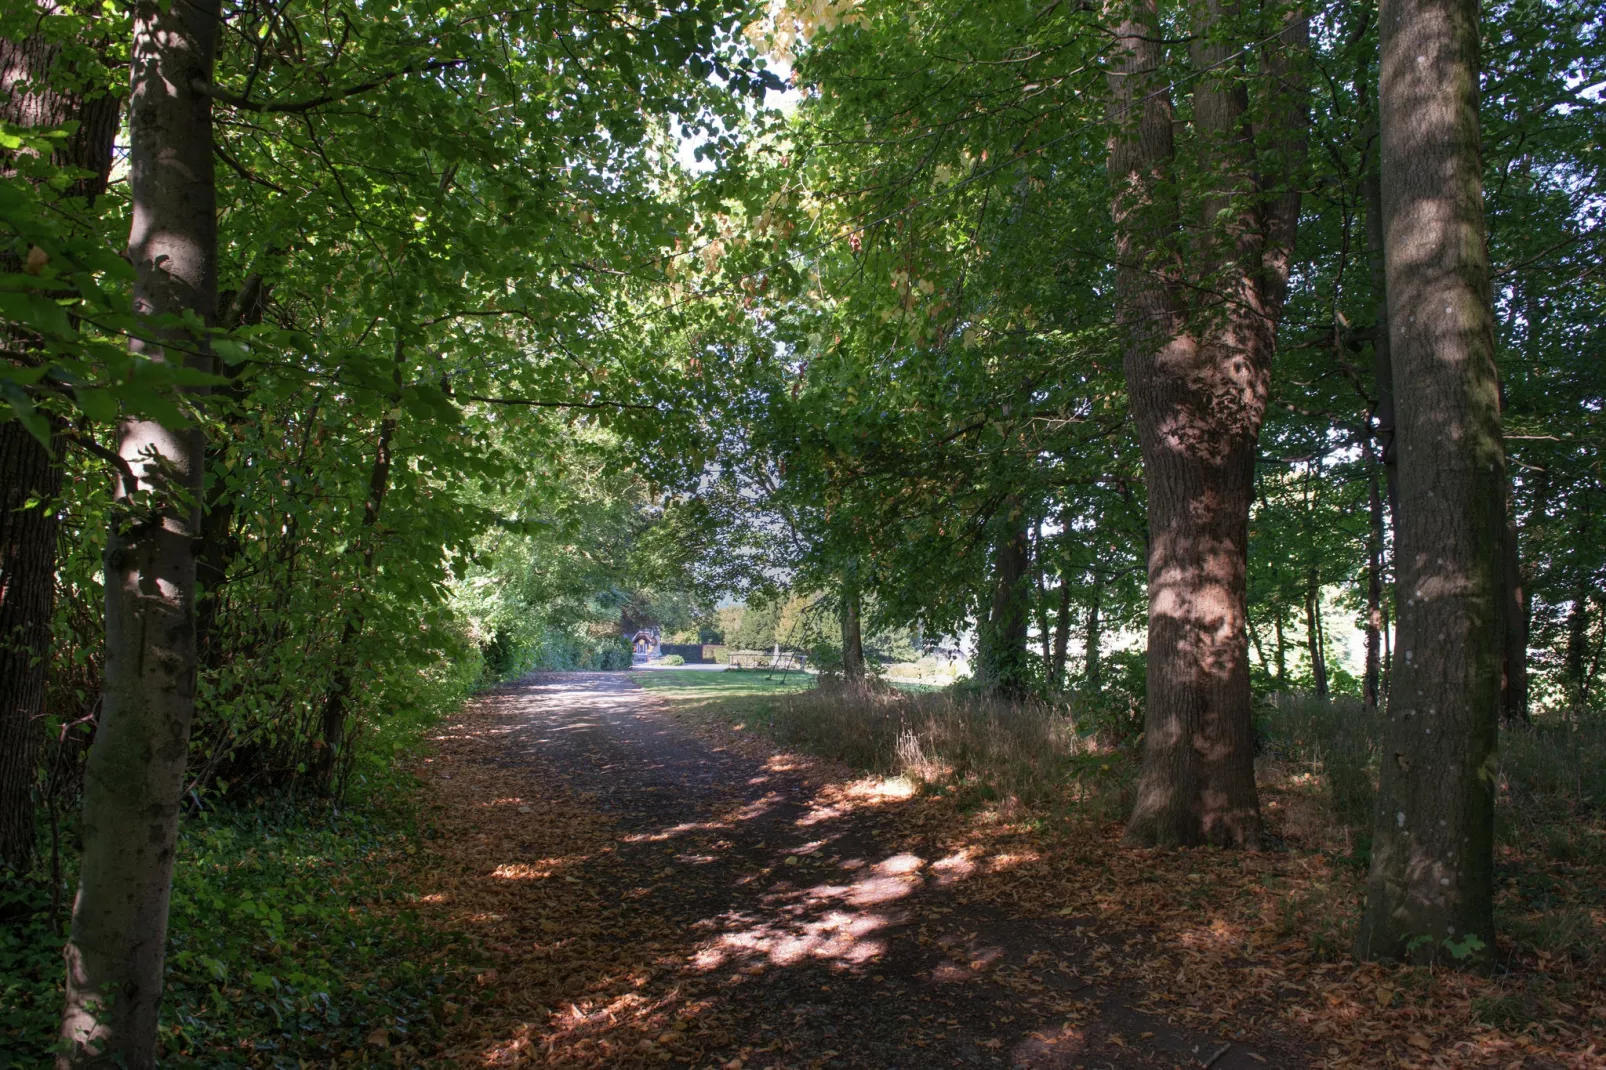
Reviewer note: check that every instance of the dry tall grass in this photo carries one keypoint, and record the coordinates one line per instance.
(1032, 754)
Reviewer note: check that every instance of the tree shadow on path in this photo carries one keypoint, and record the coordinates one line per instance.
(647, 897)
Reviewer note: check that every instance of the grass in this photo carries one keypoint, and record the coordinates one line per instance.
(977, 750)
(703, 684)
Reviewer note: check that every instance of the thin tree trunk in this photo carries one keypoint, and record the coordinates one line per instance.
(135, 770)
(1430, 892)
(1256, 643)
(1514, 656)
(1043, 636)
(852, 637)
(1062, 638)
(1371, 693)
(218, 546)
(1313, 635)
(1578, 621)
(1282, 649)
(1200, 334)
(1093, 666)
(338, 696)
(41, 89)
(1006, 672)
(1383, 418)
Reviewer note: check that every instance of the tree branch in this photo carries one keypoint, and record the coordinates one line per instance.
(241, 103)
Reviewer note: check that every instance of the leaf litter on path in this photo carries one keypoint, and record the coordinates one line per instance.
(646, 895)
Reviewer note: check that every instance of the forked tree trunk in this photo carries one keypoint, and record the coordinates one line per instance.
(41, 89)
(1200, 333)
(852, 637)
(1430, 893)
(135, 770)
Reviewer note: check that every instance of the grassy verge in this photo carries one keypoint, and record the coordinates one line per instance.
(291, 939)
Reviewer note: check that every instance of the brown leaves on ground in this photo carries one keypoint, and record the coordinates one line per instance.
(580, 966)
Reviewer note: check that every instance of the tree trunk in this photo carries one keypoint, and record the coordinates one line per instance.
(1371, 695)
(1577, 679)
(335, 702)
(41, 90)
(1514, 656)
(1313, 635)
(1383, 418)
(135, 770)
(218, 544)
(1092, 663)
(1200, 328)
(852, 637)
(1430, 893)
(1041, 604)
(1282, 650)
(1006, 671)
(1062, 638)
(27, 594)
(1255, 643)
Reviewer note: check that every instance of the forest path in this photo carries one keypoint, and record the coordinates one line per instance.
(647, 897)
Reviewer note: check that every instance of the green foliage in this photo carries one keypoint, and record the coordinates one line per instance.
(672, 659)
(290, 939)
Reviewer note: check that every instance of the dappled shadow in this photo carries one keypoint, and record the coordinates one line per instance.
(644, 896)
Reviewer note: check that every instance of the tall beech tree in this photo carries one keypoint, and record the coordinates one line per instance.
(1430, 893)
(1204, 241)
(136, 768)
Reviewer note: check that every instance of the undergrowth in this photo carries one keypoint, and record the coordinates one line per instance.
(291, 938)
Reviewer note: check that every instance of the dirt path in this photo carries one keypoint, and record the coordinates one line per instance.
(644, 896)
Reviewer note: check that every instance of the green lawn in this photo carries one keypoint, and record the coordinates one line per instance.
(700, 685)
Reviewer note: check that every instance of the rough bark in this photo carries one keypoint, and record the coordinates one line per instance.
(1430, 892)
(1200, 333)
(27, 594)
(852, 637)
(42, 88)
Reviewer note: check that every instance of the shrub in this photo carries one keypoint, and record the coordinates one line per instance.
(672, 659)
